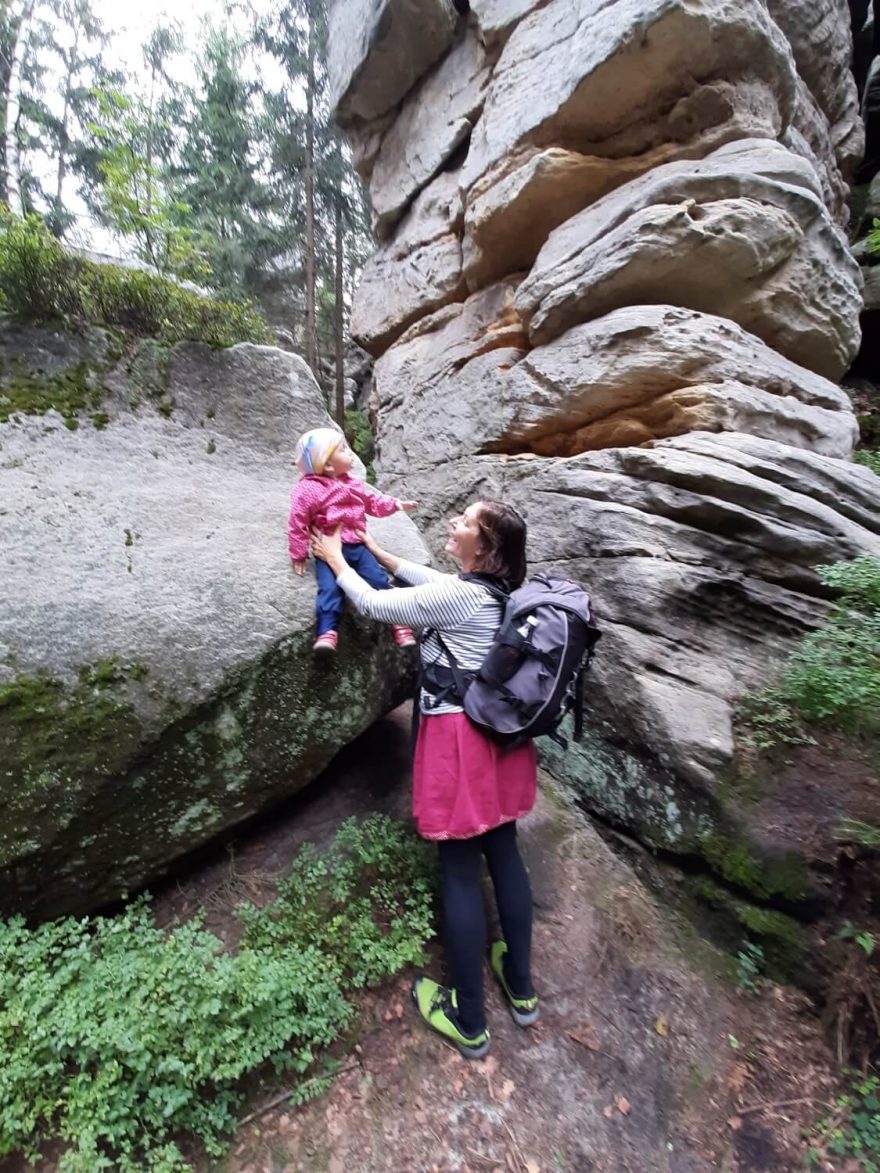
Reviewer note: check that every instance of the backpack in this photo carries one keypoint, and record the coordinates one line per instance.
(532, 675)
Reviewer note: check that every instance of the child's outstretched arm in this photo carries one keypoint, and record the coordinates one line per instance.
(377, 504)
(299, 524)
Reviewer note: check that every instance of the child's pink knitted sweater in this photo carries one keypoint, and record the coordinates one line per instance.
(324, 502)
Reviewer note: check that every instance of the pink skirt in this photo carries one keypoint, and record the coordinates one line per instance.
(465, 784)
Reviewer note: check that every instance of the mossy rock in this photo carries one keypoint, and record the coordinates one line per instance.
(160, 685)
(783, 939)
(96, 804)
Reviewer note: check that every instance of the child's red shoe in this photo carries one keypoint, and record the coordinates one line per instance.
(403, 637)
(326, 643)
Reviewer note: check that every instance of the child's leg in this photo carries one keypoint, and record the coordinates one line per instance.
(361, 560)
(329, 600)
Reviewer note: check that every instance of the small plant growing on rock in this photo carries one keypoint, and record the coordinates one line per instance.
(833, 676)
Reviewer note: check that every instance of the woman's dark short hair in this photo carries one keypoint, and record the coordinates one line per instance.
(503, 534)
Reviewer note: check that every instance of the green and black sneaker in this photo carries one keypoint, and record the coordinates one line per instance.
(438, 1005)
(524, 1011)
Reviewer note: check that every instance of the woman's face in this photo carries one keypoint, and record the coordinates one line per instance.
(465, 541)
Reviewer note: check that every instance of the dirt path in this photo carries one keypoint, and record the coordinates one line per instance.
(645, 1059)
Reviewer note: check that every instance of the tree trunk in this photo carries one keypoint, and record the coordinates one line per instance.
(63, 135)
(11, 181)
(338, 316)
(311, 339)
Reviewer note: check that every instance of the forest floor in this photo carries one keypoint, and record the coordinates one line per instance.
(646, 1057)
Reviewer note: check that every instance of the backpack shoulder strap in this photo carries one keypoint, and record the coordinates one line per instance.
(498, 588)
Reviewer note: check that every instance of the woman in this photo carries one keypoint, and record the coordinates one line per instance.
(467, 791)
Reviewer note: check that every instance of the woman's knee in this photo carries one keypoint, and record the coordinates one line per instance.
(460, 859)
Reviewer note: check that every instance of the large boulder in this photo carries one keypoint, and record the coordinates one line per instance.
(156, 678)
(464, 381)
(740, 234)
(694, 77)
(378, 49)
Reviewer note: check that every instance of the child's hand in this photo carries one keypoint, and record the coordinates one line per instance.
(407, 506)
(299, 566)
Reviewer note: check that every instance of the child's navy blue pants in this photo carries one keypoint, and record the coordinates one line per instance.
(465, 918)
(330, 599)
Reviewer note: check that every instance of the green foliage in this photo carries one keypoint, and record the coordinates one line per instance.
(833, 676)
(132, 198)
(872, 240)
(865, 940)
(350, 902)
(853, 1129)
(869, 459)
(40, 282)
(749, 965)
(118, 1036)
(856, 831)
(360, 436)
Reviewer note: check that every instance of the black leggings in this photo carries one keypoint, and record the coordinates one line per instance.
(465, 920)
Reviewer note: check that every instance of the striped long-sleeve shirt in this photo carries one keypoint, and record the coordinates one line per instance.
(465, 614)
(326, 502)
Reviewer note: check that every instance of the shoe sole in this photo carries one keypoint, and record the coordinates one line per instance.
(524, 1017)
(520, 1017)
(479, 1052)
(324, 650)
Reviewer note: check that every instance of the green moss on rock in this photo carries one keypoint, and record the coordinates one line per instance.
(101, 800)
(55, 739)
(784, 940)
(765, 876)
(77, 390)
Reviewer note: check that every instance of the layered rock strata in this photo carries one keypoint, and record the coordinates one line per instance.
(624, 300)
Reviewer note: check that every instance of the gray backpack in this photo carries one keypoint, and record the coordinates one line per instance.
(533, 673)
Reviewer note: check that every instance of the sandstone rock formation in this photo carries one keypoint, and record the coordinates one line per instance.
(156, 679)
(624, 301)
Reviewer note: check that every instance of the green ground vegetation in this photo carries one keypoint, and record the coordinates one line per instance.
(40, 282)
(832, 678)
(118, 1036)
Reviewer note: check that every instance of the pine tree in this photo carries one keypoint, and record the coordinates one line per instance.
(229, 203)
(312, 167)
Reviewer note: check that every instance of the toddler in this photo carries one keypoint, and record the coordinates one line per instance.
(324, 497)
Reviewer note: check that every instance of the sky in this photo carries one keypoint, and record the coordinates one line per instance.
(130, 24)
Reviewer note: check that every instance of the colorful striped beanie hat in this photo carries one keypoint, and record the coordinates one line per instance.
(314, 449)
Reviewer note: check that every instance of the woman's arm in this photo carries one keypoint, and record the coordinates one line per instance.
(444, 604)
(413, 573)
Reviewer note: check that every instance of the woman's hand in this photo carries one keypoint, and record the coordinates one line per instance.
(407, 506)
(328, 547)
(367, 539)
(389, 561)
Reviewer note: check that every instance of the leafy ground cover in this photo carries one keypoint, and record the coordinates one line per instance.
(119, 1035)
